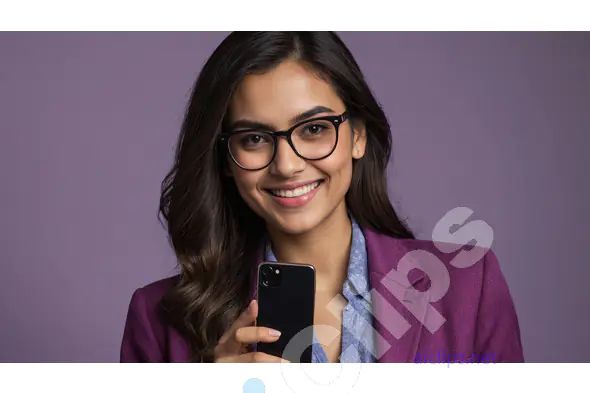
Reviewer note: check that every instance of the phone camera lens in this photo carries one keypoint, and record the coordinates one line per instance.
(265, 283)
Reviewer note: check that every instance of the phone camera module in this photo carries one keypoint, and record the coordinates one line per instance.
(271, 276)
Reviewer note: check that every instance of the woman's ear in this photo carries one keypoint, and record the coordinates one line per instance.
(359, 139)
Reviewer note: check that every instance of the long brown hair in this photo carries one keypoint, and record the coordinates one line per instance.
(214, 233)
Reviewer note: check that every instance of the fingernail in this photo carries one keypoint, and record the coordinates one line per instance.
(274, 333)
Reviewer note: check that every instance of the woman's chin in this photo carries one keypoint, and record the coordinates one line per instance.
(295, 224)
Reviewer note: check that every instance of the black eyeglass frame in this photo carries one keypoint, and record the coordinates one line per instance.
(336, 120)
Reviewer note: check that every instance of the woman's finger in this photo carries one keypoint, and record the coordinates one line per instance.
(254, 334)
(261, 357)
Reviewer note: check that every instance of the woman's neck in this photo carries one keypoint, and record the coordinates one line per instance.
(326, 247)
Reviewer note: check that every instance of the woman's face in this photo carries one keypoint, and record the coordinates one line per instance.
(275, 193)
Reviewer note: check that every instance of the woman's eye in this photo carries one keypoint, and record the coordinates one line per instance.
(314, 129)
(253, 139)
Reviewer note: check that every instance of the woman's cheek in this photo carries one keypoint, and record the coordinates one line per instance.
(247, 187)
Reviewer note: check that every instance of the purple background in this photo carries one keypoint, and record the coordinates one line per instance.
(497, 122)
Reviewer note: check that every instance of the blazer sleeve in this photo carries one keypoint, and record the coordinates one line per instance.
(498, 331)
(139, 344)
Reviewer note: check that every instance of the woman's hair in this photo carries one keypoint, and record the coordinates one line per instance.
(215, 235)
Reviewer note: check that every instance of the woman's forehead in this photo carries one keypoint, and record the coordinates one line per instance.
(280, 94)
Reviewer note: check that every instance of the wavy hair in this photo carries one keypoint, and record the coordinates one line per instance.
(215, 235)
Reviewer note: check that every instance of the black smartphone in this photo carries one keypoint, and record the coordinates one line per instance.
(286, 299)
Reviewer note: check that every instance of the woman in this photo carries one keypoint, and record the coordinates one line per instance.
(240, 192)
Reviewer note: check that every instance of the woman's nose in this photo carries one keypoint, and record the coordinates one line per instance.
(286, 162)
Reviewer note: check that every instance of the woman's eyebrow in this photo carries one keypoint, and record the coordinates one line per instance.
(316, 110)
(247, 124)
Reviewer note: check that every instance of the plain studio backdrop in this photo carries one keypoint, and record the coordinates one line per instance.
(496, 122)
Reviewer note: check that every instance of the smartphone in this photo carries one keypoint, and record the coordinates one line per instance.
(286, 299)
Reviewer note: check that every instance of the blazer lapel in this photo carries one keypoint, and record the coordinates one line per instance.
(393, 294)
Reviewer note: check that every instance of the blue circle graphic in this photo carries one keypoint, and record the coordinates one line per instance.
(253, 385)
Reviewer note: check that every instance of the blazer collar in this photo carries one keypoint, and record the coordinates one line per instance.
(393, 295)
(385, 252)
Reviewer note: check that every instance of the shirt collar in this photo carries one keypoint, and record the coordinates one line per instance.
(357, 277)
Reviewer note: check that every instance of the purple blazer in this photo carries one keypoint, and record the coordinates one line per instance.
(428, 306)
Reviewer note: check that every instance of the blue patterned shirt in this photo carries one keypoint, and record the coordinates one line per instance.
(357, 321)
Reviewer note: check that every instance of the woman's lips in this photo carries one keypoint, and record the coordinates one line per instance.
(297, 197)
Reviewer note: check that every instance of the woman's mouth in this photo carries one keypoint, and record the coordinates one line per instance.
(295, 192)
(295, 197)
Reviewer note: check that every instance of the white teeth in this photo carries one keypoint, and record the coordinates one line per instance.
(296, 191)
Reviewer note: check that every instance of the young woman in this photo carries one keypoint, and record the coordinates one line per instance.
(283, 156)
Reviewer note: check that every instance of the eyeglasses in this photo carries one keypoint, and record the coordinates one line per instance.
(313, 139)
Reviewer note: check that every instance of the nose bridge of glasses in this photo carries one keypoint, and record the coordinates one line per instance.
(283, 145)
(286, 160)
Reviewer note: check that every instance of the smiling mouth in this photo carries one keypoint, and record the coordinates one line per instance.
(295, 192)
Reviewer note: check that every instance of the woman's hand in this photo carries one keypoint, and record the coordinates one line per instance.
(233, 345)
